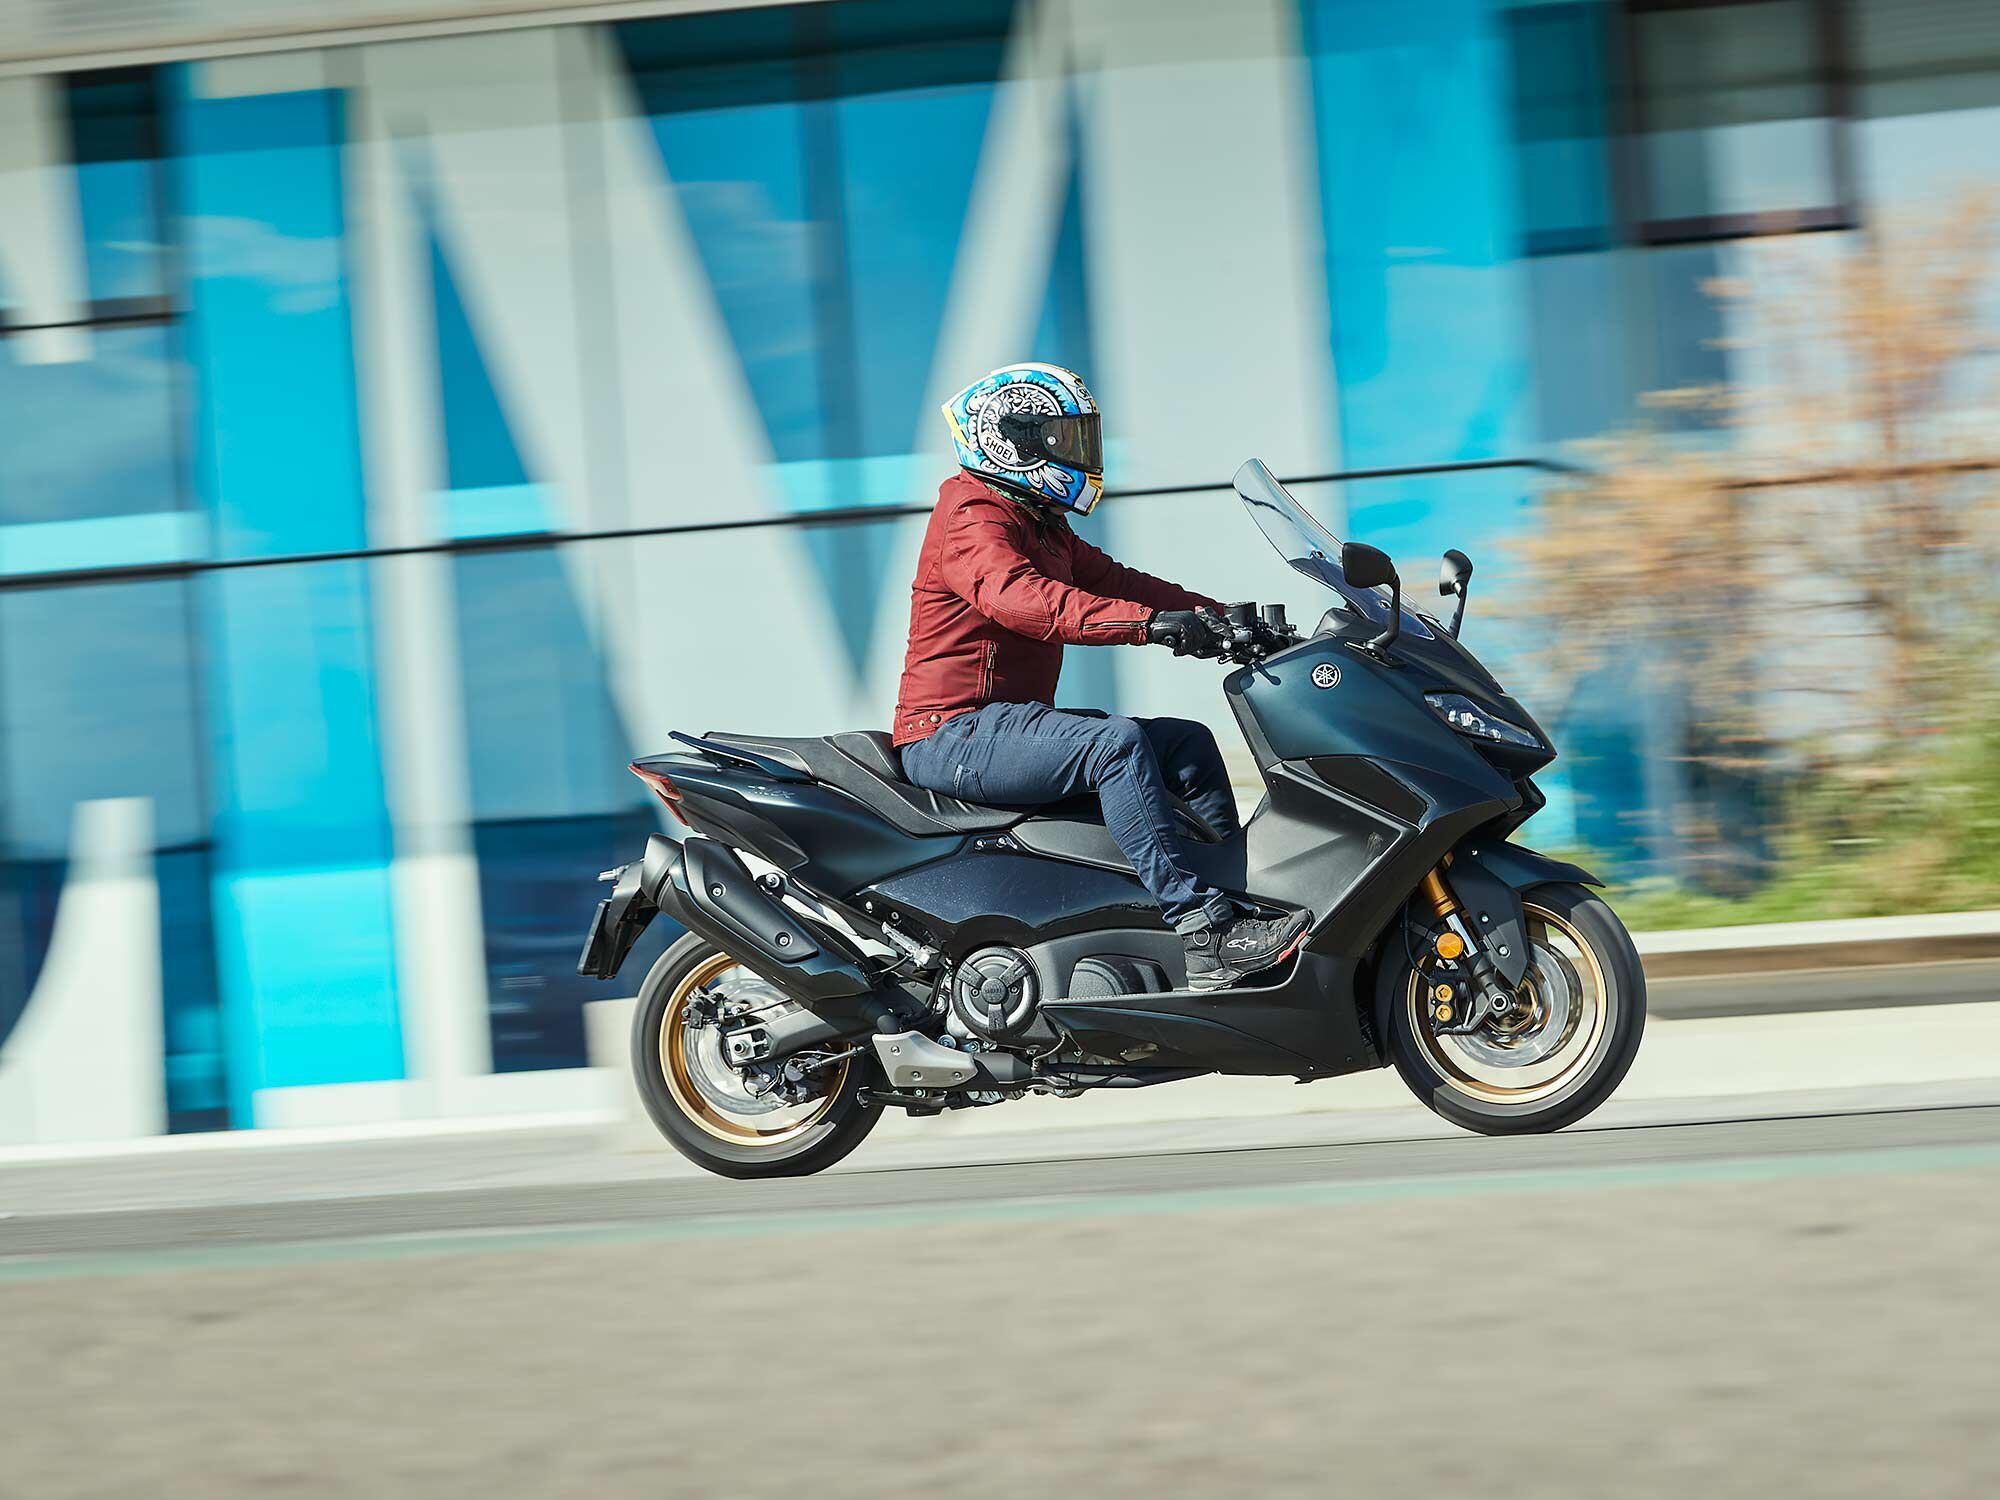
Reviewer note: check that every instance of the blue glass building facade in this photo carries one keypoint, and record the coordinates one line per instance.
(314, 362)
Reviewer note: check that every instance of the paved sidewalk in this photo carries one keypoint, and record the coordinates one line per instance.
(1736, 1067)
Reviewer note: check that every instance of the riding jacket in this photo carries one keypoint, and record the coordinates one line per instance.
(1002, 585)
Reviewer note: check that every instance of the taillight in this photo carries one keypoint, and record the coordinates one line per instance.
(662, 786)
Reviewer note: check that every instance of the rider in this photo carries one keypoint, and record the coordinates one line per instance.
(1002, 585)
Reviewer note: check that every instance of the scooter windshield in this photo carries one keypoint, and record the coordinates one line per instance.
(1309, 547)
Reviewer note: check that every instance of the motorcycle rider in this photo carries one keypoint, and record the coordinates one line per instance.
(1002, 585)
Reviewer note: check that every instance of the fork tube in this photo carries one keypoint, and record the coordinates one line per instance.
(1434, 890)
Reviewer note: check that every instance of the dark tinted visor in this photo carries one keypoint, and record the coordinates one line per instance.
(1073, 441)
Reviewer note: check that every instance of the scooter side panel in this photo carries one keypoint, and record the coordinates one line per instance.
(1313, 847)
(819, 833)
(1366, 737)
(1015, 898)
(1308, 1025)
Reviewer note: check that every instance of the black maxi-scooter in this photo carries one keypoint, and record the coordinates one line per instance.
(856, 943)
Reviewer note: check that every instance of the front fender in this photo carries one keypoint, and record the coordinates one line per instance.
(1487, 877)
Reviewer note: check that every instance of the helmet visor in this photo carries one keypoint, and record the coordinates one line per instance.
(1070, 441)
(1074, 441)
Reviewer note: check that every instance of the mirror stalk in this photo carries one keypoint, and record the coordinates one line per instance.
(1369, 568)
(1456, 578)
(1387, 638)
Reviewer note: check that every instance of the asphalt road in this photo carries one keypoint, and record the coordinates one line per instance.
(1803, 1305)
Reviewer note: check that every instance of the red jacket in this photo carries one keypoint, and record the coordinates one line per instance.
(1000, 587)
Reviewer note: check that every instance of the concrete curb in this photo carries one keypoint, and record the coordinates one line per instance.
(1865, 942)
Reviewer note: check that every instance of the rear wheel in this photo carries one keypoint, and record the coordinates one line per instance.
(1559, 1053)
(708, 1109)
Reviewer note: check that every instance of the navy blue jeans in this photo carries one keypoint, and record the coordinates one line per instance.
(1027, 754)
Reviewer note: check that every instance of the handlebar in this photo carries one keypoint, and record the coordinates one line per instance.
(1252, 634)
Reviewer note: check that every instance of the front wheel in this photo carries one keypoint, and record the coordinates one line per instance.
(1560, 1054)
(713, 1113)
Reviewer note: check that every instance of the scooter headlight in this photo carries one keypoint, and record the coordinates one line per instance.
(1469, 719)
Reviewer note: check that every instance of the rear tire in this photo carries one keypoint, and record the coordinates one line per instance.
(671, 1068)
(1585, 979)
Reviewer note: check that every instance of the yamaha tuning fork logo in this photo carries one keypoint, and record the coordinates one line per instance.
(1326, 675)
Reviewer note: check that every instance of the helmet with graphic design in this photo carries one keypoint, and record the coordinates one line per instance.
(1031, 430)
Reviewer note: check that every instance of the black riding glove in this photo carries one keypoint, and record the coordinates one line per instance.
(1187, 631)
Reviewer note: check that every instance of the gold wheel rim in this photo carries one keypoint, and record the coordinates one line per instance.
(1553, 940)
(678, 1062)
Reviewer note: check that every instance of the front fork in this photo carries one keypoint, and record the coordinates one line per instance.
(1457, 1009)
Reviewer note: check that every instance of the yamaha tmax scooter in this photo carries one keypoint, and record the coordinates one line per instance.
(855, 943)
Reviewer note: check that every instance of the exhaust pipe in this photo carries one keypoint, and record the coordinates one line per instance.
(702, 885)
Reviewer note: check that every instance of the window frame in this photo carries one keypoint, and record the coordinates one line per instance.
(117, 312)
(1635, 187)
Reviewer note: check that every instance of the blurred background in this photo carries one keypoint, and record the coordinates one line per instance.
(410, 411)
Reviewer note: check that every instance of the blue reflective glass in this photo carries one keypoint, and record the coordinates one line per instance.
(260, 208)
(197, 1061)
(824, 158)
(87, 439)
(480, 451)
(551, 797)
(1063, 332)
(29, 891)
(541, 734)
(99, 693)
(100, 700)
(298, 758)
(536, 900)
(1737, 110)
(115, 144)
(1560, 106)
(913, 85)
(725, 97)
(1419, 212)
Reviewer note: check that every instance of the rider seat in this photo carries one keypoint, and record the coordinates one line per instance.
(863, 763)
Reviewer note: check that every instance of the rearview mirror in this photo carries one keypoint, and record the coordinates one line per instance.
(1455, 574)
(1366, 567)
(1369, 568)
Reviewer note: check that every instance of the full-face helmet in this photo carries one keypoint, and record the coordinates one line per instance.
(1031, 430)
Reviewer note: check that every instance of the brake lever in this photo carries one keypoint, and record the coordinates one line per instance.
(1237, 643)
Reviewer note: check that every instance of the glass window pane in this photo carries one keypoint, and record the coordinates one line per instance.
(115, 139)
(98, 700)
(1558, 101)
(914, 84)
(1733, 99)
(85, 439)
(551, 797)
(725, 97)
(534, 908)
(541, 734)
(98, 693)
(1928, 75)
(1923, 56)
(260, 206)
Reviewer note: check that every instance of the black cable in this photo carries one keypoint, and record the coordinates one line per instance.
(845, 516)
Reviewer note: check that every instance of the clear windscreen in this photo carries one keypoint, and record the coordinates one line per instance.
(1309, 547)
